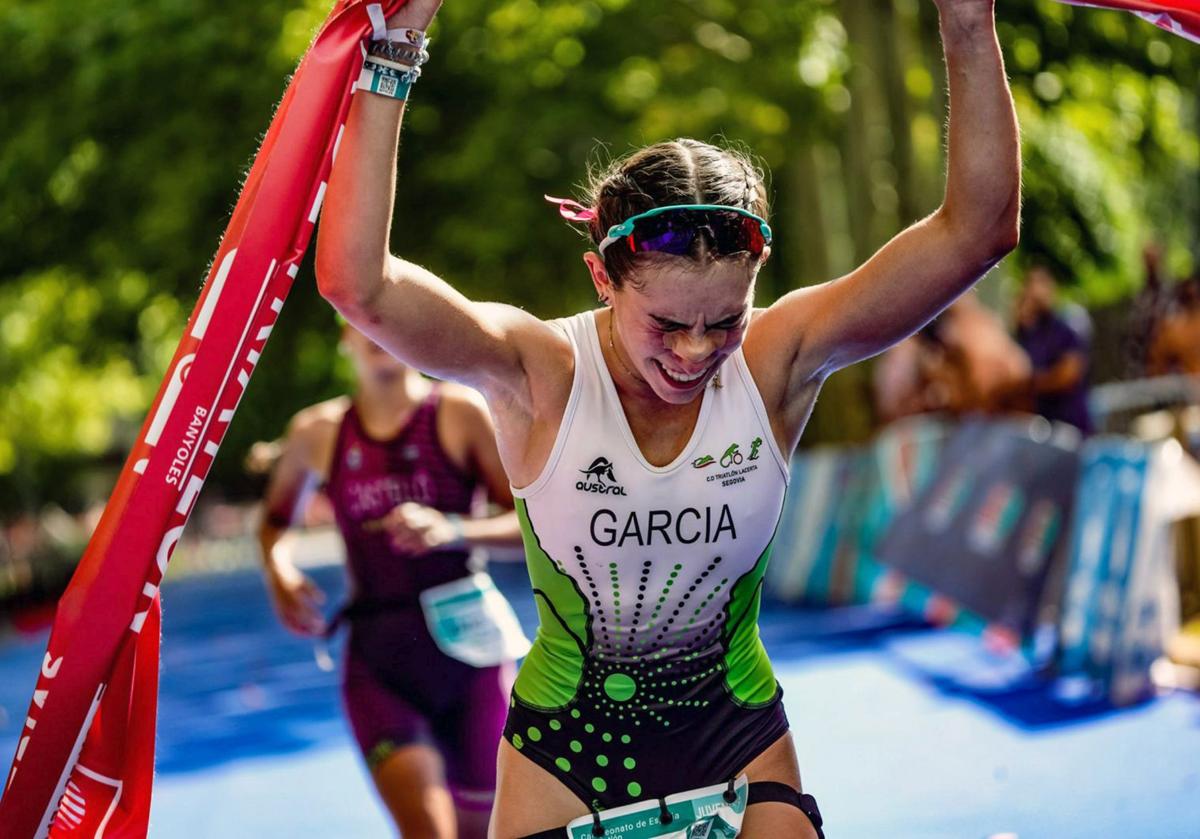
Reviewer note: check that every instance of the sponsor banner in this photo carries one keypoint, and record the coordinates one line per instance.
(808, 507)
(839, 503)
(85, 757)
(988, 528)
(1181, 17)
(1121, 599)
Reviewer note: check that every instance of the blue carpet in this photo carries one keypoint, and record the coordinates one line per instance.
(902, 731)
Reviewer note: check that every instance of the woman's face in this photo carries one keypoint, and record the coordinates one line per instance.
(372, 363)
(677, 320)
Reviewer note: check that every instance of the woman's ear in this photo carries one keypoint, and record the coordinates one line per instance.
(600, 279)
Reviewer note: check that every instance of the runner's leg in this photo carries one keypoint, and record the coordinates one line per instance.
(397, 743)
(469, 738)
(411, 781)
(781, 764)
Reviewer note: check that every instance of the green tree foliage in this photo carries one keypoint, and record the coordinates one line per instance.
(1108, 109)
(124, 145)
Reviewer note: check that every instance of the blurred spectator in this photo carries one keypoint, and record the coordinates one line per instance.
(1147, 310)
(1057, 352)
(962, 362)
(1175, 347)
(38, 555)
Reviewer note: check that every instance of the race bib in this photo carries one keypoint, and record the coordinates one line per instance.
(696, 814)
(471, 621)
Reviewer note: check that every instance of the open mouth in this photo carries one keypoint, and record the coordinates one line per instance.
(679, 379)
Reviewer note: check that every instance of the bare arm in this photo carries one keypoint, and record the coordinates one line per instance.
(1066, 373)
(1162, 357)
(415, 315)
(924, 268)
(297, 600)
(467, 436)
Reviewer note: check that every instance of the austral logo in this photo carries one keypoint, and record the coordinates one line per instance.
(599, 478)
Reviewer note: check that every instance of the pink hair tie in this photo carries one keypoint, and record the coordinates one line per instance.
(572, 210)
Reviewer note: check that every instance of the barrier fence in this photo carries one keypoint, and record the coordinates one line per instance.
(1003, 526)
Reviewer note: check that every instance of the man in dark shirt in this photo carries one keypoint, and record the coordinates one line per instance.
(1057, 353)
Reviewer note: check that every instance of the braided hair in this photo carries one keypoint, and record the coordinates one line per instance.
(681, 171)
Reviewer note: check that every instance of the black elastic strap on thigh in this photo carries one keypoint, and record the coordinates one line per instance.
(761, 792)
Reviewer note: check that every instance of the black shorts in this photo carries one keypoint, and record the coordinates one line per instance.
(709, 737)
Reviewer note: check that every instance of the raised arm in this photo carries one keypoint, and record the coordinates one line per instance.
(404, 308)
(919, 272)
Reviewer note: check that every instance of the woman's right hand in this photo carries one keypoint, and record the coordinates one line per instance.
(296, 598)
(415, 14)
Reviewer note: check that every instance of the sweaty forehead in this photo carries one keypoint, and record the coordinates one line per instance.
(708, 295)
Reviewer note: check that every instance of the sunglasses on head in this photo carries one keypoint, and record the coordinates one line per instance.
(673, 230)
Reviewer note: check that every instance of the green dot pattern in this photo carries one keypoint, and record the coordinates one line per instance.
(659, 643)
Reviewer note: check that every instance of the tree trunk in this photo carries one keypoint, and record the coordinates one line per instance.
(856, 150)
(892, 30)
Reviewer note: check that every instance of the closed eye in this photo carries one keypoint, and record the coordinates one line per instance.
(725, 325)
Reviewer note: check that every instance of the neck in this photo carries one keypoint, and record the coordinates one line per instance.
(381, 402)
(620, 367)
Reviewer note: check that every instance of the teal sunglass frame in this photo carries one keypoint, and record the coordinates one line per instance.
(649, 233)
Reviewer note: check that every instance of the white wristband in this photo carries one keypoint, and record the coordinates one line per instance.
(380, 32)
(460, 535)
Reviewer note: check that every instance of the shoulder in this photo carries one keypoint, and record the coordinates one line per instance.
(537, 342)
(543, 352)
(320, 417)
(315, 428)
(775, 347)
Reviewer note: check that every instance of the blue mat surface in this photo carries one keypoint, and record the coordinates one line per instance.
(902, 731)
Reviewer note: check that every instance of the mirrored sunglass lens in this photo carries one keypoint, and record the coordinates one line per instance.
(663, 235)
(735, 233)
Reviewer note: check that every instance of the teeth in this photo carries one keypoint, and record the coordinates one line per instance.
(682, 377)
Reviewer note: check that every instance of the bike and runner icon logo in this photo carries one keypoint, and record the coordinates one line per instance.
(732, 457)
(599, 478)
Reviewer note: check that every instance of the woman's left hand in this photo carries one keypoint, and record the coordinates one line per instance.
(417, 529)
